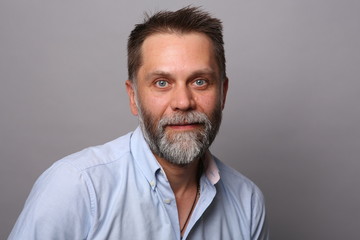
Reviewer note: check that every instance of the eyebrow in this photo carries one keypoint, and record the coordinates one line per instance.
(157, 73)
(160, 73)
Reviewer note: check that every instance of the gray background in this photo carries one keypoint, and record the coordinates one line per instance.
(291, 122)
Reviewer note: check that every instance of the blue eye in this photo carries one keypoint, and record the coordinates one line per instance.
(200, 82)
(162, 83)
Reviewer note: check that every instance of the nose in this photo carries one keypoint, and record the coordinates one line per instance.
(182, 99)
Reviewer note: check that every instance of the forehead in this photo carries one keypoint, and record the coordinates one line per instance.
(175, 52)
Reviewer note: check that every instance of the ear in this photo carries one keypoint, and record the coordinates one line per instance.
(224, 93)
(131, 93)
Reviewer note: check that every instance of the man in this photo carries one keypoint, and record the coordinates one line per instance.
(160, 181)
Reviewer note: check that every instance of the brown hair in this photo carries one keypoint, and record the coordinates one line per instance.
(185, 20)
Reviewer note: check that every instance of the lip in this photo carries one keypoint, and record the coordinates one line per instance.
(184, 126)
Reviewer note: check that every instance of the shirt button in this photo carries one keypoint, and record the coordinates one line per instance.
(152, 183)
(167, 201)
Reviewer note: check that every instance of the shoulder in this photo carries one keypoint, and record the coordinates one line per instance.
(72, 171)
(100, 155)
(78, 172)
(235, 182)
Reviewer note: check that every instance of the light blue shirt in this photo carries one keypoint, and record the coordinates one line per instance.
(119, 191)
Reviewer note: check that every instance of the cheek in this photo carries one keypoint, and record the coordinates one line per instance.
(156, 105)
(207, 103)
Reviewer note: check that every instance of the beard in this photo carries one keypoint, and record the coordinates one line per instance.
(180, 148)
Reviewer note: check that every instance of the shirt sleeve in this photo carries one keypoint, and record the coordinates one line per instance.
(57, 208)
(259, 227)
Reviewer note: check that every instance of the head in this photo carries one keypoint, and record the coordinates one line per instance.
(177, 83)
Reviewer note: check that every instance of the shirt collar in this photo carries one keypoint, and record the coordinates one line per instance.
(211, 169)
(143, 156)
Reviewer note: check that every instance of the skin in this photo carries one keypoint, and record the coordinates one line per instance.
(179, 73)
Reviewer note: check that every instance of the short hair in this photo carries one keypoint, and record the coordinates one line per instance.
(185, 20)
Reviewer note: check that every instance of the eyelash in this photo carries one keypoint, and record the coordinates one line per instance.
(157, 83)
(203, 81)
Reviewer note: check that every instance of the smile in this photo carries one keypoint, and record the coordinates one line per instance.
(184, 126)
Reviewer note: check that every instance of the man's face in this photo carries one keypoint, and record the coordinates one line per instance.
(179, 95)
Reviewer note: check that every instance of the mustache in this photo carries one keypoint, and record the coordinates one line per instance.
(184, 118)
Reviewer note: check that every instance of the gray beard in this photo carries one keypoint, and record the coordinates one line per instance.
(184, 147)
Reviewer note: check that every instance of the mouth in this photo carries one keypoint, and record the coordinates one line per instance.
(184, 126)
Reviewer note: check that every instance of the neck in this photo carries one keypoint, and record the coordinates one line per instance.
(181, 177)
